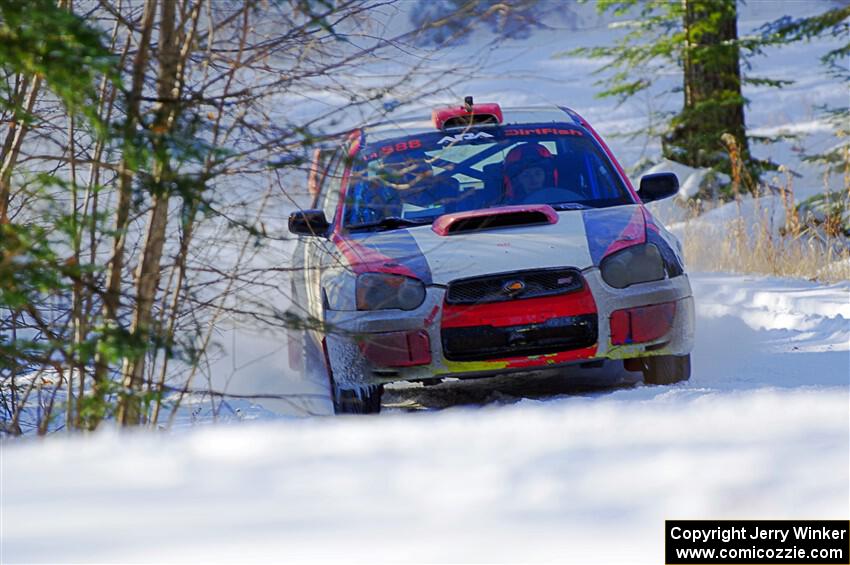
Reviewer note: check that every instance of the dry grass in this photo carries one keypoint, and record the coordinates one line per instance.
(740, 247)
(752, 242)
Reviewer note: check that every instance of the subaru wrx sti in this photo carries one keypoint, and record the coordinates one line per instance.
(484, 241)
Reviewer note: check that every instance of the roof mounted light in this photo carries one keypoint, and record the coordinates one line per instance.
(470, 114)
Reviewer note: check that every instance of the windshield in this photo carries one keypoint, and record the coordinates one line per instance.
(414, 179)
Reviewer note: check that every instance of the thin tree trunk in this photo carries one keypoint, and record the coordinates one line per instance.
(190, 210)
(106, 100)
(111, 299)
(147, 274)
(12, 147)
(77, 318)
(14, 427)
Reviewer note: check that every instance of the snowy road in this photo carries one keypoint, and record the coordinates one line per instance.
(761, 431)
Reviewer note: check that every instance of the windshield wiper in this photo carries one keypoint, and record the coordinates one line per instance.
(391, 223)
(569, 206)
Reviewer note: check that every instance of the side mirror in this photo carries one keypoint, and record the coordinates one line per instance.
(308, 222)
(658, 186)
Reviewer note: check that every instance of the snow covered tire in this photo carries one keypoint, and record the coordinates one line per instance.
(352, 399)
(362, 400)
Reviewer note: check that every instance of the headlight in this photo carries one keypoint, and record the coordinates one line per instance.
(636, 264)
(378, 291)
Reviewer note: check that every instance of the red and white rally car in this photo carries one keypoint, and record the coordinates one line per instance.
(480, 242)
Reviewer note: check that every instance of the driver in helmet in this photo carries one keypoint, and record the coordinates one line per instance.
(528, 167)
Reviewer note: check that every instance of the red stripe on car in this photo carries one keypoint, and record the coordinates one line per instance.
(633, 234)
(519, 312)
(364, 259)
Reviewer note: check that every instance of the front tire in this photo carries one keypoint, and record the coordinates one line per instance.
(666, 369)
(365, 399)
(354, 398)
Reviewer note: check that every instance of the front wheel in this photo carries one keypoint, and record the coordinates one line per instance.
(351, 398)
(364, 399)
(666, 369)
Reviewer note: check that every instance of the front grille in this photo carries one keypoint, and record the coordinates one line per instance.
(479, 343)
(494, 288)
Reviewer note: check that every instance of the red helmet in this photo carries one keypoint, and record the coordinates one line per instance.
(526, 156)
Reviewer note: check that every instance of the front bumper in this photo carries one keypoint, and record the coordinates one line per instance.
(353, 361)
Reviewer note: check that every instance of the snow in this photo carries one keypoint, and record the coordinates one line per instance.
(760, 431)
(690, 178)
(832, 270)
(766, 213)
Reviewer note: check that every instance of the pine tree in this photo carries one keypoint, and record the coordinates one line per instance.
(834, 23)
(700, 38)
(713, 102)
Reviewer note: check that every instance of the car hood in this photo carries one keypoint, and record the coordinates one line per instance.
(580, 238)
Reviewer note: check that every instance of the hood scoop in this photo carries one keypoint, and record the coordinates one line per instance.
(492, 218)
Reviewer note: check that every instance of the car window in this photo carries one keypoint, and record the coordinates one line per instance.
(328, 199)
(420, 177)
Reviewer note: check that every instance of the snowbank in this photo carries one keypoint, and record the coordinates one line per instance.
(569, 481)
(761, 431)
